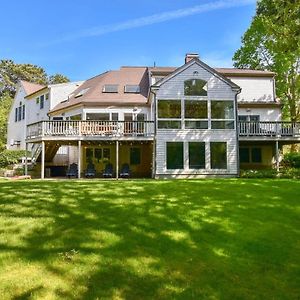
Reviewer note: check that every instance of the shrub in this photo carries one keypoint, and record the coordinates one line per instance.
(271, 173)
(292, 160)
(9, 157)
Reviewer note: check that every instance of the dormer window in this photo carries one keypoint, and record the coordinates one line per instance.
(131, 88)
(81, 92)
(195, 87)
(110, 88)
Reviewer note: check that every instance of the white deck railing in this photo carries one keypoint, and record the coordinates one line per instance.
(90, 128)
(269, 129)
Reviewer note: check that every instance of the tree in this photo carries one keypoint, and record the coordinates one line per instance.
(10, 73)
(5, 103)
(58, 78)
(272, 42)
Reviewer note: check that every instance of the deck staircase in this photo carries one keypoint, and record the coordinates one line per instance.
(50, 151)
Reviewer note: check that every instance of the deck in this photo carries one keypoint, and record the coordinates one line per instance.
(144, 130)
(90, 130)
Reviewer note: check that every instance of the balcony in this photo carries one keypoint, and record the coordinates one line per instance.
(280, 130)
(84, 130)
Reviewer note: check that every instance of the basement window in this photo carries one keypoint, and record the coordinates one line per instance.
(110, 88)
(131, 88)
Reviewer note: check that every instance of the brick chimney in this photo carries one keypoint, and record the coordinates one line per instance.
(190, 56)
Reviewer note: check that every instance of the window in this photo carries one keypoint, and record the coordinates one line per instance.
(37, 100)
(130, 88)
(110, 88)
(98, 116)
(106, 154)
(98, 154)
(169, 124)
(23, 112)
(89, 154)
(256, 156)
(195, 87)
(47, 96)
(197, 155)
(169, 109)
(57, 118)
(20, 113)
(244, 155)
(16, 114)
(114, 116)
(75, 117)
(250, 155)
(174, 155)
(218, 155)
(195, 110)
(42, 97)
(135, 156)
(222, 114)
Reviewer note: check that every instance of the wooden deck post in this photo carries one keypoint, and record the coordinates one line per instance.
(117, 159)
(79, 159)
(277, 156)
(26, 160)
(43, 161)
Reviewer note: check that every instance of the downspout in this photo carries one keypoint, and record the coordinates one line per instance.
(237, 134)
(154, 138)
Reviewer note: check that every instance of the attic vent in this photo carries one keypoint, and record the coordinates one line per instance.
(82, 92)
(130, 88)
(110, 88)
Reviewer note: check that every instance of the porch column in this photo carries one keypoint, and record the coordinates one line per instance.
(277, 156)
(43, 161)
(79, 158)
(26, 160)
(117, 160)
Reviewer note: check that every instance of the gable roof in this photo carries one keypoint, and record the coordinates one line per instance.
(201, 64)
(232, 72)
(30, 87)
(91, 91)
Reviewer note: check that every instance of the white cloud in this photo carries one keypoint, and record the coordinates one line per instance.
(154, 19)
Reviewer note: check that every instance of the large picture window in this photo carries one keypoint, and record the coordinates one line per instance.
(197, 155)
(195, 87)
(174, 155)
(222, 114)
(218, 155)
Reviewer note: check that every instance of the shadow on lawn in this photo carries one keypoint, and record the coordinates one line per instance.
(156, 240)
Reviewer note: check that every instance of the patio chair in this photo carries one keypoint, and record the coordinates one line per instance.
(90, 171)
(108, 171)
(72, 171)
(125, 171)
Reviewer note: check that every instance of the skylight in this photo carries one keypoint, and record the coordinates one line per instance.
(131, 88)
(82, 92)
(110, 88)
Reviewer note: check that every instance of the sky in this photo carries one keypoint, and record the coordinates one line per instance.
(81, 39)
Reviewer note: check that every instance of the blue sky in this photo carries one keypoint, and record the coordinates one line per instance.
(83, 38)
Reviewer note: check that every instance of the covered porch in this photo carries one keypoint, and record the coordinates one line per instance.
(90, 159)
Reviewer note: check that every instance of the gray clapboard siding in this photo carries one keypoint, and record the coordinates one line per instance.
(218, 89)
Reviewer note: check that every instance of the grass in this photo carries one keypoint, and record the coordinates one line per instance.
(193, 239)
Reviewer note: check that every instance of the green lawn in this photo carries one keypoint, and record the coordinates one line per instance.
(182, 239)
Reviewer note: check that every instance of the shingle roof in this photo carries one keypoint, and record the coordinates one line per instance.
(93, 95)
(30, 87)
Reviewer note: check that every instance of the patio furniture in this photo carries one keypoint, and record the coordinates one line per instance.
(72, 171)
(90, 171)
(108, 171)
(125, 171)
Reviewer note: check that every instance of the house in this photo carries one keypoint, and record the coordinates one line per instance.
(191, 121)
